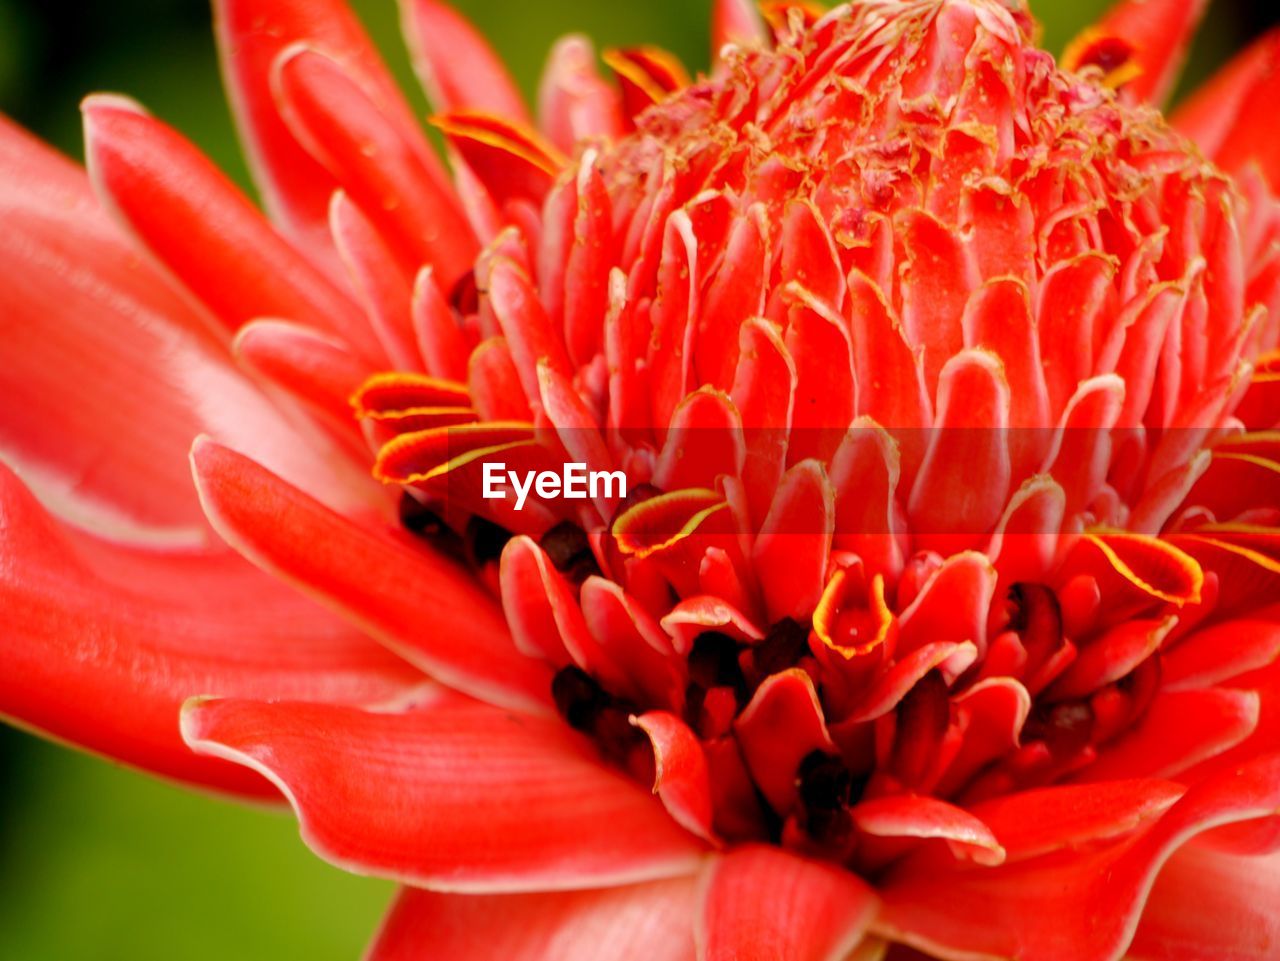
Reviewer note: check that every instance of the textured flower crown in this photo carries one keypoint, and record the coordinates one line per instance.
(939, 613)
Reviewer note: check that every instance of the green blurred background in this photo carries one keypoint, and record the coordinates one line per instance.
(99, 863)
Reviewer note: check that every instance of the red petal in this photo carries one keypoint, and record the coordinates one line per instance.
(544, 616)
(1158, 32)
(807, 255)
(311, 366)
(681, 778)
(588, 264)
(383, 288)
(647, 76)
(642, 922)
(510, 159)
(781, 725)
(444, 347)
(415, 601)
(1222, 651)
(1208, 115)
(1026, 539)
(1250, 137)
(938, 276)
(952, 606)
(457, 67)
(791, 552)
(251, 35)
(737, 22)
(869, 520)
(382, 160)
(998, 319)
(574, 102)
(1209, 904)
(970, 439)
(525, 325)
(452, 795)
(204, 229)
(1031, 823)
(108, 373)
(764, 904)
(104, 642)
(763, 391)
(1070, 306)
(736, 291)
(825, 396)
(908, 816)
(704, 441)
(1064, 909)
(1179, 730)
(893, 392)
(892, 686)
(1110, 656)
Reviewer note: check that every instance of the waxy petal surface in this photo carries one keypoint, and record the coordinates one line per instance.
(763, 904)
(641, 922)
(452, 795)
(103, 642)
(423, 606)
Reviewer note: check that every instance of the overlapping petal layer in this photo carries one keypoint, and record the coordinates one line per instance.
(946, 568)
(450, 794)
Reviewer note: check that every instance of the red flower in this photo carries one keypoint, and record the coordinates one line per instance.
(941, 614)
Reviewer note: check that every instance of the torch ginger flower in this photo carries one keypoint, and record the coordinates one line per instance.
(941, 618)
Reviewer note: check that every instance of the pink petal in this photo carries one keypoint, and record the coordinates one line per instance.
(452, 795)
(764, 904)
(420, 604)
(641, 922)
(104, 642)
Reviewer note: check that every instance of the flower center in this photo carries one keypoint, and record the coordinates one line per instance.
(920, 358)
